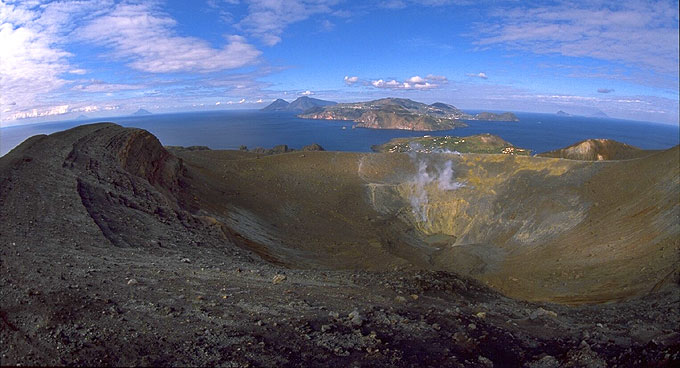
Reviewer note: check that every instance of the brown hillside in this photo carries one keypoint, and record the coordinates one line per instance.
(598, 150)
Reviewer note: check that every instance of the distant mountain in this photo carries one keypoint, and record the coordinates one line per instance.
(305, 103)
(141, 112)
(301, 104)
(598, 150)
(562, 113)
(82, 117)
(599, 114)
(401, 113)
(278, 105)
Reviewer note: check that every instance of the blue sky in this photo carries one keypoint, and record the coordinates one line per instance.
(62, 59)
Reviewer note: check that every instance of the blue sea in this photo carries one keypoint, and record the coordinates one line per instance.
(230, 129)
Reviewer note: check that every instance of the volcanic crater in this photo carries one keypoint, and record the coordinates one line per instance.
(119, 251)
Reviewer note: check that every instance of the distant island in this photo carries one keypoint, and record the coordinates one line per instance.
(401, 113)
(599, 114)
(141, 112)
(301, 104)
(82, 117)
(595, 114)
(481, 143)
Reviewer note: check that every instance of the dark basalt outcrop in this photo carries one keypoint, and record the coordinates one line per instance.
(121, 170)
(312, 147)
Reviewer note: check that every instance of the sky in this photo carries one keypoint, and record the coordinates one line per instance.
(63, 59)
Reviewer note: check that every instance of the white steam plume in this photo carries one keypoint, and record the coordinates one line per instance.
(441, 174)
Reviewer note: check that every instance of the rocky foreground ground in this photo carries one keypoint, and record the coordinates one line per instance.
(107, 257)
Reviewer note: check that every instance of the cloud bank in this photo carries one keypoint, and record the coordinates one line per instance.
(147, 38)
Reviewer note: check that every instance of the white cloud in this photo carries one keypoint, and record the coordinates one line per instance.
(218, 103)
(31, 58)
(259, 101)
(478, 75)
(425, 85)
(243, 100)
(55, 110)
(34, 37)
(147, 38)
(638, 33)
(307, 93)
(88, 108)
(267, 19)
(350, 80)
(414, 83)
(34, 113)
(416, 79)
(393, 84)
(99, 86)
